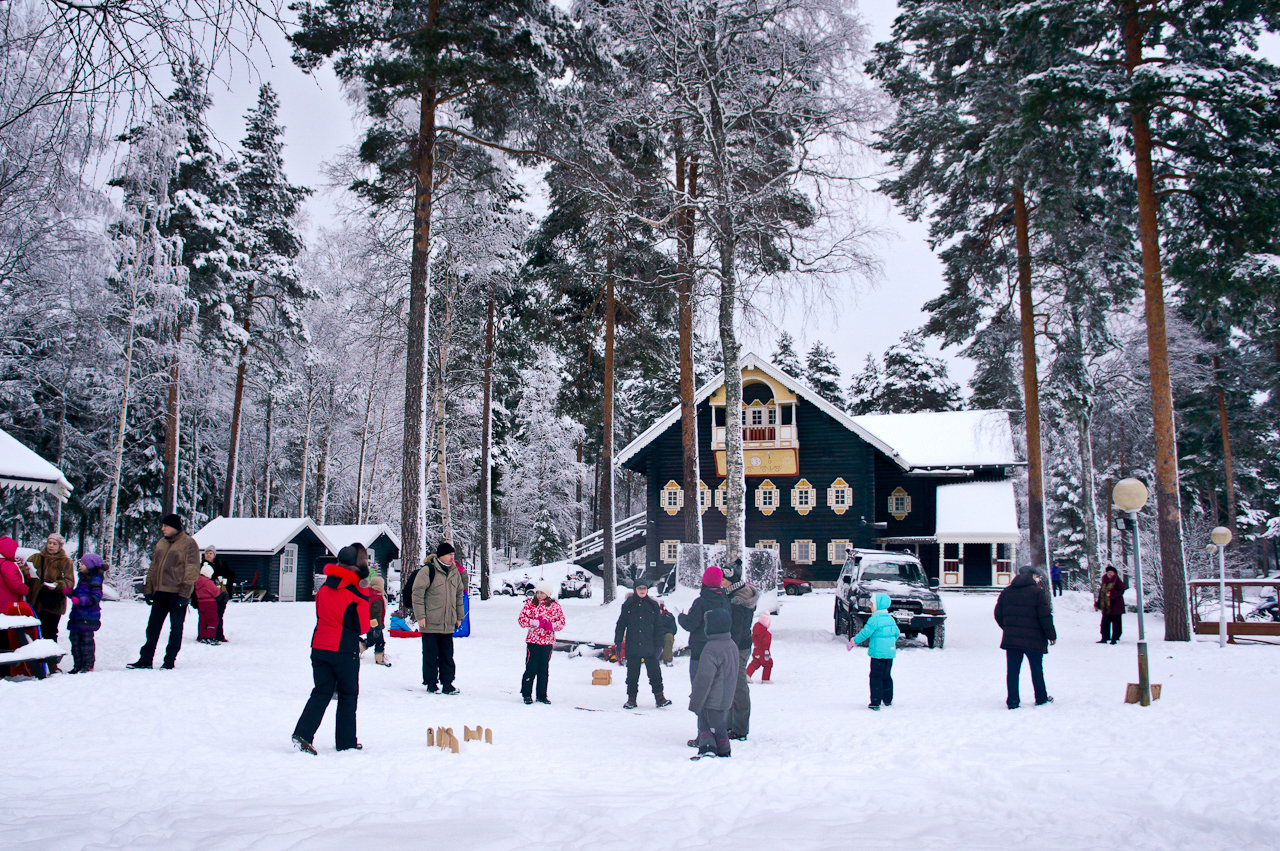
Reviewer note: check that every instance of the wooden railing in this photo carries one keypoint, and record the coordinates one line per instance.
(622, 530)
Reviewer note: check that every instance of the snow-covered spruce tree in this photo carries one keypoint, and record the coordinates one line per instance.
(785, 358)
(823, 375)
(548, 542)
(1067, 521)
(975, 162)
(1188, 92)
(481, 62)
(911, 380)
(994, 350)
(268, 292)
(864, 388)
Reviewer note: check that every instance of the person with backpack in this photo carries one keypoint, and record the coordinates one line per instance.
(638, 632)
(881, 635)
(1025, 615)
(342, 616)
(436, 599)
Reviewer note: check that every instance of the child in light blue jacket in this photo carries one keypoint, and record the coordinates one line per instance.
(881, 634)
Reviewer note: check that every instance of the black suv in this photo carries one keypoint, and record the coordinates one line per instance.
(915, 606)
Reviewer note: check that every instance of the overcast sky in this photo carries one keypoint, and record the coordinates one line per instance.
(319, 123)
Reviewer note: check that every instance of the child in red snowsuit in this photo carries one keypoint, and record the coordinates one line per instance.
(761, 641)
(206, 594)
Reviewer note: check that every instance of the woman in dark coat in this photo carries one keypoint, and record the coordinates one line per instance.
(1110, 601)
(640, 631)
(1025, 616)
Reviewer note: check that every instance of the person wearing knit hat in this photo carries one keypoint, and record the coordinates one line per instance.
(54, 575)
(711, 693)
(226, 578)
(542, 616)
(171, 579)
(743, 599)
(710, 598)
(438, 605)
(377, 620)
(206, 593)
(639, 631)
(86, 613)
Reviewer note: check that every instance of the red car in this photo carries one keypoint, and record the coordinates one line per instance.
(793, 587)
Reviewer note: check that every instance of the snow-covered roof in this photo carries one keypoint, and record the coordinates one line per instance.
(21, 468)
(751, 360)
(256, 535)
(977, 513)
(943, 439)
(365, 533)
(946, 438)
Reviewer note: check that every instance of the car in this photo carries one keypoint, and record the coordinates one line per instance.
(575, 586)
(793, 587)
(915, 605)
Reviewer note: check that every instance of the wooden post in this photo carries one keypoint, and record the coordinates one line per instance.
(431, 738)
(488, 736)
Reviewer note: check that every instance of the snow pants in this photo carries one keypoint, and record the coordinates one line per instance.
(332, 671)
(537, 667)
(668, 647)
(651, 666)
(437, 659)
(761, 662)
(222, 616)
(713, 731)
(740, 711)
(164, 604)
(881, 682)
(83, 649)
(208, 619)
(376, 640)
(1035, 661)
(1057, 587)
(1111, 627)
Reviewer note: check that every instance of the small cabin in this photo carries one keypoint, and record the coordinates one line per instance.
(818, 481)
(382, 543)
(279, 555)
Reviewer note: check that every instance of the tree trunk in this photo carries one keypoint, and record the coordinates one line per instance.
(687, 190)
(1228, 464)
(169, 490)
(1039, 544)
(486, 437)
(610, 567)
(306, 445)
(266, 456)
(442, 407)
(364, 426)
(578, 489)
(413, 469)
(322, 468)
(1088, 500)
(229, 488)
(1177, 614)
(117, 455)
(373, 467)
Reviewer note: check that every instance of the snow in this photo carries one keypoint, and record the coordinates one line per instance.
(199, 757)
(41, 648)
(946, 438)
(366, 534)
(24, 469)
(18, 621)
(256, 534)
(977, 513)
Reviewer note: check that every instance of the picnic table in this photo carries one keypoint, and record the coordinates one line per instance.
(1205, 591)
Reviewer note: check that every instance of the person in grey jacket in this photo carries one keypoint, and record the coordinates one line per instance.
(714, 684)
(743, 599)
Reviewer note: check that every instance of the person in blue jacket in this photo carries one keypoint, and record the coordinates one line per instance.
(86, 612)
(881, 635)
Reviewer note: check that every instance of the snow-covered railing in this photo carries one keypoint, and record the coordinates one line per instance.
(593, 544)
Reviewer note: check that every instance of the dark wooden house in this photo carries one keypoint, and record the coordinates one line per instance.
(382, 543)
(280, 555)
(819, 480)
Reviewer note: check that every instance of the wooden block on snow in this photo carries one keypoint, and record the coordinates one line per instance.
(431, 738)
(488, 736)
(1132, 694)
(602, 677)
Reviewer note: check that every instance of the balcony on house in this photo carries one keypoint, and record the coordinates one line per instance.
(765, 425)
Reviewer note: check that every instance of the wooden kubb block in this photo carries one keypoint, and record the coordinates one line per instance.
(1132, 695)
(602, 677)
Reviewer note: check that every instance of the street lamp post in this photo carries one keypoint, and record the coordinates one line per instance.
(1221, 536)
(1129, 496)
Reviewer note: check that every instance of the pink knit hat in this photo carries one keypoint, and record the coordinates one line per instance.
(713, 576)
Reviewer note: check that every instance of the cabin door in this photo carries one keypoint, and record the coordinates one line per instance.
(289, 573)
(977, 564)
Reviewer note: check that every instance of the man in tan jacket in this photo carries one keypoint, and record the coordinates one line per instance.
(175, 564)
(438, 607)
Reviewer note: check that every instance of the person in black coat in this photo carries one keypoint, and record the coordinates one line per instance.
(710, 598)
(1025, 616)
(640, 631)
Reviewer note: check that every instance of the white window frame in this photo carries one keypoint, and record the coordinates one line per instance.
(839, 488)
(672, 498)
(721, 491)
(795, 551)
(704, 497)
(670, 552)
(899, 503)
(835, 551)
(811, 501)
(767, 490)
(767, 544)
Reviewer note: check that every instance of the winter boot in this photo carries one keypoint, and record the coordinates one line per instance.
(363, 648)
(303, 745)
(707, 744)
(722, 748)
(381, 659)
(660, 700)
(631, 702)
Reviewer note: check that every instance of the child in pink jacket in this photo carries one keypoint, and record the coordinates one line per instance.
(206, 594)
(543, 617)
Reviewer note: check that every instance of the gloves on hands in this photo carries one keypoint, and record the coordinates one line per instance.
(850, 645)
(373, 623)
(543, 623)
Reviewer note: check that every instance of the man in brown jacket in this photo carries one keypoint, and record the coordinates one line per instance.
(52, 577)
(438, 607)
(175, 564)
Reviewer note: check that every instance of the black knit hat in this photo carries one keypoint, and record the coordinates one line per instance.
(173, 521)
(444, 549)
(733, 571)
(347, 556)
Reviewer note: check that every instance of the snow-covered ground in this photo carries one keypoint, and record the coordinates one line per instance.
(199, 757)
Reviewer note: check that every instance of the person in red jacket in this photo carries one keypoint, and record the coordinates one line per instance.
(206, 594)
(543, 617)
(13, 586)
(761, 641)
(342, 616)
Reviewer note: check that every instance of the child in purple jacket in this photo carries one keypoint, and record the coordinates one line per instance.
(86, 613)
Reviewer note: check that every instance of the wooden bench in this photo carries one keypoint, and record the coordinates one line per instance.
(1205, 591)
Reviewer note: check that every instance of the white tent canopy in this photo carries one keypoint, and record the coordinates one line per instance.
(977, 513)
(23, 469)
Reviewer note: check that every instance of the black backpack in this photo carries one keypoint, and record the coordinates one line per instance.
(406, 590)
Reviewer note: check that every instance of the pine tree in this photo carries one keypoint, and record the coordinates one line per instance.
(864, 388)
(269, 292)
(1066, 517)
(913, 381)
(785, 357)
(823, 375)
(548, 543)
